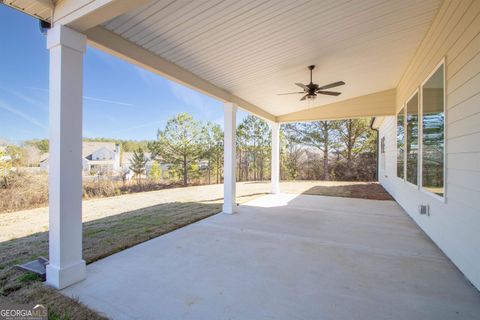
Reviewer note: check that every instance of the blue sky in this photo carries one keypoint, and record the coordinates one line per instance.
(120, 100)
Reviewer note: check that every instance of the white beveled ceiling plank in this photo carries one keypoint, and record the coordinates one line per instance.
(322, 44)
(256, 49)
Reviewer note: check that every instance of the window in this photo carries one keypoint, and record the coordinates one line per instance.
(433, 133)
(412, 140)
(382, 154)
(401, 144)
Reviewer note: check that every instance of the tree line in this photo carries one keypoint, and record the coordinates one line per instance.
(127, 145)
(193, 150)
(318, 150)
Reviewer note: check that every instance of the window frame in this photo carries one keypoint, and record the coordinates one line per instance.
(420, 178)
(420, 128)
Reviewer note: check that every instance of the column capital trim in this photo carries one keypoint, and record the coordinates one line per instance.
(231, 105)
(64, 36)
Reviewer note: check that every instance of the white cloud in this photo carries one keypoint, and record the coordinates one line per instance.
(108, 101)
(22, 115)
(26, 98)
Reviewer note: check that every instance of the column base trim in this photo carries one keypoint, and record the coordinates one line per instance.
(229, 209)
(60, 278)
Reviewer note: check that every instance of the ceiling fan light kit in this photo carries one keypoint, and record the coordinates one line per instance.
(311, 90)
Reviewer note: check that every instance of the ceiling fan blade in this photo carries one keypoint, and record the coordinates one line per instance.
(301, 85)
(284, 94)
(304, 97)
(332, 85)
(330, 93)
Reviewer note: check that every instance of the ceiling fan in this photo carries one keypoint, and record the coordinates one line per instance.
(311, 90)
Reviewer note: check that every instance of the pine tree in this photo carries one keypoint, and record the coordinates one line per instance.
(137, 163)
(179, 145)
(155, 172)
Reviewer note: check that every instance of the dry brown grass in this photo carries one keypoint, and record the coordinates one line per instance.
(24, 191)
(28, 191)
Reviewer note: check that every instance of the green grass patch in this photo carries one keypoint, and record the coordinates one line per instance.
(28, 277)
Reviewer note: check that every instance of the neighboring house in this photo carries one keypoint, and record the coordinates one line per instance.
(98, 158)
(127, 162)
(203, 164)
(44, 161)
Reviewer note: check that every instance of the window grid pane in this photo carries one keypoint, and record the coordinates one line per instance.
(412, 140)
(401, 143)
(433, 124)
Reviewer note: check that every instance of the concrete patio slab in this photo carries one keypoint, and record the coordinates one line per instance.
(285, 257)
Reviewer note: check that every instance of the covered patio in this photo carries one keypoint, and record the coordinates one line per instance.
(414, 65)
(286, 257)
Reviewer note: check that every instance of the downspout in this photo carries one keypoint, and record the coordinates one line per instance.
(44, 26)
(378, 155)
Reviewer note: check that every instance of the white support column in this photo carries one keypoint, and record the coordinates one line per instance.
(230, 158)
(66, 265)
(275, 176)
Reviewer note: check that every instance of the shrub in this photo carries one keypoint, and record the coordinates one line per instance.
(27, 191)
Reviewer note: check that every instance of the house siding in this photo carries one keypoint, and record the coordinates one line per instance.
(454, 225)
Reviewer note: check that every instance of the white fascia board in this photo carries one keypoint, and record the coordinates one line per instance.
(82, 15)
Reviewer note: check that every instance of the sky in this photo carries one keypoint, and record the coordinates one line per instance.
(121, 100)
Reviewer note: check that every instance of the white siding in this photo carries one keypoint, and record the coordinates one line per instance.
(454, 225)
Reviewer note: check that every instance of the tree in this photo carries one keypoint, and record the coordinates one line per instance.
(127, 145)
(137, 163)
(316, 134)
(242, 139)
(353, 136)
(30, 156)
(155, 172)
(16, 155)
(293, 154)
(213, 148)
(179, 144)
(253, 138)
(41, 144)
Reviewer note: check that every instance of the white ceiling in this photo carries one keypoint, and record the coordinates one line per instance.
(258, 48)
